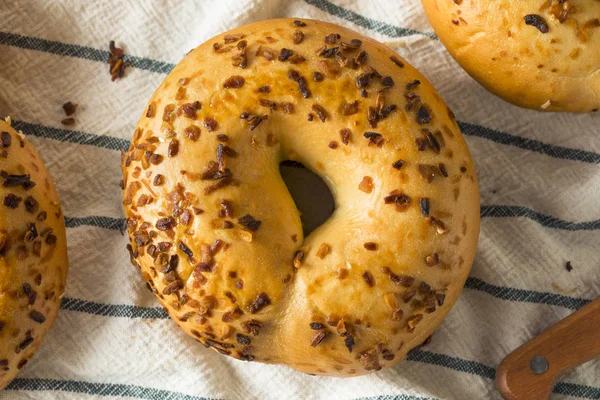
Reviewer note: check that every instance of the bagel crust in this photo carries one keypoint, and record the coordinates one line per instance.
(539, 54)
(219, 239)
(33, 252)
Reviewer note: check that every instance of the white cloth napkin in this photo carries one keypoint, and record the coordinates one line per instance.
(539, 175)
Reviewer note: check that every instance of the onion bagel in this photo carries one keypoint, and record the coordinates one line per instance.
(539, 54)
(33, 252)
(218, 237)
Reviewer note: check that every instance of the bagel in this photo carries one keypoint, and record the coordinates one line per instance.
(218, 237)
(539, 54)
(33, 252)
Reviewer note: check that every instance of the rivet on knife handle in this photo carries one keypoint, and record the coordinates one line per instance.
(529, 373)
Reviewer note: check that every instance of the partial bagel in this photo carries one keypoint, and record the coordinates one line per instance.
(216, 233)
(539, 54)
(33, 252)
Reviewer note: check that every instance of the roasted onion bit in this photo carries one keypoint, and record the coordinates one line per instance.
(261, 301)
(298, 36)
(397, 61)
(115, 61)
(320, 111)
(298, 257)
(301, 81)
(239, 57)
(345, 136)
(327, 52)
(439, 226)
(374, 138)
(23, 180)
(5, 139)
(12, 201)
(537, 22)
(242, 339)
(69, 108)
(165, 224)
(351, 108)
(37, 316)
(248, 222)
(316, 326)
(185, 249)
(233, 38)
(387, 81)
(433, 259)
(284, 54)
(371, 246)
(318, 338)
(400, 201)
(424, 205)
(413, 84)
(366, 184)
(398, 164)
(368, 278)
(430, 172)
(353, 45)
(424, 114)
(332, 38)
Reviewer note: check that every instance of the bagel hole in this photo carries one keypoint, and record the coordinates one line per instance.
(311, 194)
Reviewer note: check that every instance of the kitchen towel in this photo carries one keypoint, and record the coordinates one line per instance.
(540, 193)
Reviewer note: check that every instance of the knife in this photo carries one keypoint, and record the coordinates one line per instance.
(529, 373)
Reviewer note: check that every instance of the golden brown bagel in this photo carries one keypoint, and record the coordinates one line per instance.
(216, 233)
(540, 54)
(33, 252)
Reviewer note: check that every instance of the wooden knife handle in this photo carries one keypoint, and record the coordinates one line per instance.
(569, 343)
